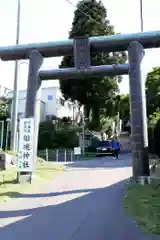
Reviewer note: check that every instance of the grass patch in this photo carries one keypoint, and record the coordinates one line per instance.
(143, 202)
(9, 152)
(47, 170)
(9, 188)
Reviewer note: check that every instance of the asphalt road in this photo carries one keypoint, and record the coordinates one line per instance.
(82, 203)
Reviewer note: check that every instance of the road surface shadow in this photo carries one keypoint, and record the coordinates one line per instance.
(97, 215)
(43, 195)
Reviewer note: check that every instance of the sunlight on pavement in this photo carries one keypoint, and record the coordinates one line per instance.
(63, 198)
(48, 202)
(6, 221)
(69, 186)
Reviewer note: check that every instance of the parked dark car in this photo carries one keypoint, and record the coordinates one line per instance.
(104, 148)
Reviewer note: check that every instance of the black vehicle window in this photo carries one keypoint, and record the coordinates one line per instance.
(105, 144)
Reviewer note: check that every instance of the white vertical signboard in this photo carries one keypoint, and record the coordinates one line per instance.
(77, 151)
(25, 152)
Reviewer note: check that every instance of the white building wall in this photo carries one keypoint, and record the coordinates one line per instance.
(52, 104)
(48, 96)
(21, 109)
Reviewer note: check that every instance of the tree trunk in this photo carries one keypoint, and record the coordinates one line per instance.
(86, 111)
(87, 115)
(96, 118)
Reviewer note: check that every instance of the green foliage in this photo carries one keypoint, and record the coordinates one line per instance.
(124, 106)
(151, 139)
(121, 105)
(66, 138)
(65, 122)
(153, 110)
(106, 125)
(4, 114)
(157, 137)
(94, 92)
(153, 90)
(154, 117)
(46, 129)
(154, 133)
(50, 137)
(142, 202)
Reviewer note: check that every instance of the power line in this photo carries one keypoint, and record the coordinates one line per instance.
(86, 14)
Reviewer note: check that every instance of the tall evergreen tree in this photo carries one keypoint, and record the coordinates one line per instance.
(90, 19)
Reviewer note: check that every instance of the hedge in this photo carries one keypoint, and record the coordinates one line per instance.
(154, 137)
(51, 138)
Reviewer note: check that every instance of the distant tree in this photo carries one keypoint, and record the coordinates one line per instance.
(94, 93)
(119, 104)
(4, 108)
(153, 90)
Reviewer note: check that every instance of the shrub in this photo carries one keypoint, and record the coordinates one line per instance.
(151, 144)
(51, 138)
(66, 138)
(157, 138)
(46, 130)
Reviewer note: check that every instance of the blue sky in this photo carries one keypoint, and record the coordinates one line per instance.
(51, 20)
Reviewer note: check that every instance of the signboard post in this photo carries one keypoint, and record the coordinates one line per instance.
(26, 140)
(32, 110)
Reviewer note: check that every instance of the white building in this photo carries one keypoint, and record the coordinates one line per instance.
(52, 104)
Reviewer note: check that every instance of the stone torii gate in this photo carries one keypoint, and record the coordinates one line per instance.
(80, 48)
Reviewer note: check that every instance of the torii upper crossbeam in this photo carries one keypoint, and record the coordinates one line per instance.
(111, 43)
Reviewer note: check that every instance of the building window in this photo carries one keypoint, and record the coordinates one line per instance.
(50, 97)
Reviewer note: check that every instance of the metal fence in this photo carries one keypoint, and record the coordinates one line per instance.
(58, 155)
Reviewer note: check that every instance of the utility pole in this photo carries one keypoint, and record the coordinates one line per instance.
(141, 14)
(15, 90)
(83, 133)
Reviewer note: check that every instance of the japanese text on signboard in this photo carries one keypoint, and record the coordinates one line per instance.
(25, 156)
